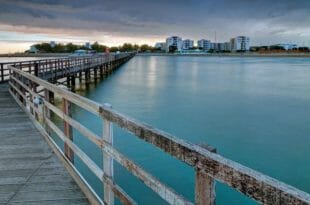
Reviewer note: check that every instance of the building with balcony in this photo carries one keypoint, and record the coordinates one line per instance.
(204, 44)
(187, 44)
(240, 43)
(174, 43)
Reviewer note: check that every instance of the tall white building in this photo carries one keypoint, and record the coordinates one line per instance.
(240, 43)
(174, 43)
(187, 44)
(204, 44)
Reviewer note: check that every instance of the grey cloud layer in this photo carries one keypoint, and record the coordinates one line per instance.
(265, 19)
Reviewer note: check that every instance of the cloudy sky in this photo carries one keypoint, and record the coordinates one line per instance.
(113, 22)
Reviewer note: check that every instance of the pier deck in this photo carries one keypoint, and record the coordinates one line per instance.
(30, 173)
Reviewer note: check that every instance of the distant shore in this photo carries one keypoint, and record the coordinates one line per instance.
(35, 55)
(250, 54)
(303, 55)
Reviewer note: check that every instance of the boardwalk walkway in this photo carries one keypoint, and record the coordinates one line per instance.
(29, 171)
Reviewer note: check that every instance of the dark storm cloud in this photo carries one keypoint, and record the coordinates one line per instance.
(260, 19)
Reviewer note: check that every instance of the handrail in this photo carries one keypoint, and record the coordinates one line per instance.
(208, 166)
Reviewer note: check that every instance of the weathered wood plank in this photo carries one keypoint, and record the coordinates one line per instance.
(79, 201)
(47, 195)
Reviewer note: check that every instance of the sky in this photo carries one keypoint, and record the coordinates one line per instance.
(114, 22)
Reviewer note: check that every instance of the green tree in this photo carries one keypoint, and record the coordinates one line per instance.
(44, 47)
(145, 48)
(99, 48)
(70, 47)
(114, 49)
(126, 47)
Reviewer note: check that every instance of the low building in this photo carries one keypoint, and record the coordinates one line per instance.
(160, 46)
(187, 44)
(220, 47)
(240, 43)
(174, 43)
(204, 44)
(33, 49)
(227, 47)
(87, 45)
(286, 46)
(52, 44)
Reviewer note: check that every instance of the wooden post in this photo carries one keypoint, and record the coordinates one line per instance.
(31, 96)
(49, 97)
(101, 72)
(73, 82)
(204, 185)
(67, 129)
(2, 72)
(46, 111)
(68, 82)
(108, 195)
(36, 69)
(80, 76)
(95, 74)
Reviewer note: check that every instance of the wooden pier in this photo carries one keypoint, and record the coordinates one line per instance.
(33, 86)
(30, 173)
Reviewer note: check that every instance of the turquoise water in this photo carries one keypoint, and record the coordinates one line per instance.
(255, 111)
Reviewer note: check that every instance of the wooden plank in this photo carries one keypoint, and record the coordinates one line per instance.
(78, 201)
(47, 195)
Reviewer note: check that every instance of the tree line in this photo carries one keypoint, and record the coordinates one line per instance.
(70, 47)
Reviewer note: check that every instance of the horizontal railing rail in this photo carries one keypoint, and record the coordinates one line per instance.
(208, 166)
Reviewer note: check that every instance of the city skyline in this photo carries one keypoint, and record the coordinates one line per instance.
(23, 23)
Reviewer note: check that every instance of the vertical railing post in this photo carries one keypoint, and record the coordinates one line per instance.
(204, 185)
(2, 72)
(67, 129)
(31, 86)
(48, 97)
(36, 69)
(108, 195)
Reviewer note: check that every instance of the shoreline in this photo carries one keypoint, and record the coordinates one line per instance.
(296, 55)
(277, 55)
(35, 55)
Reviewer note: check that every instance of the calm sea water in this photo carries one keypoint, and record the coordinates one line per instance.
(255, 111)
